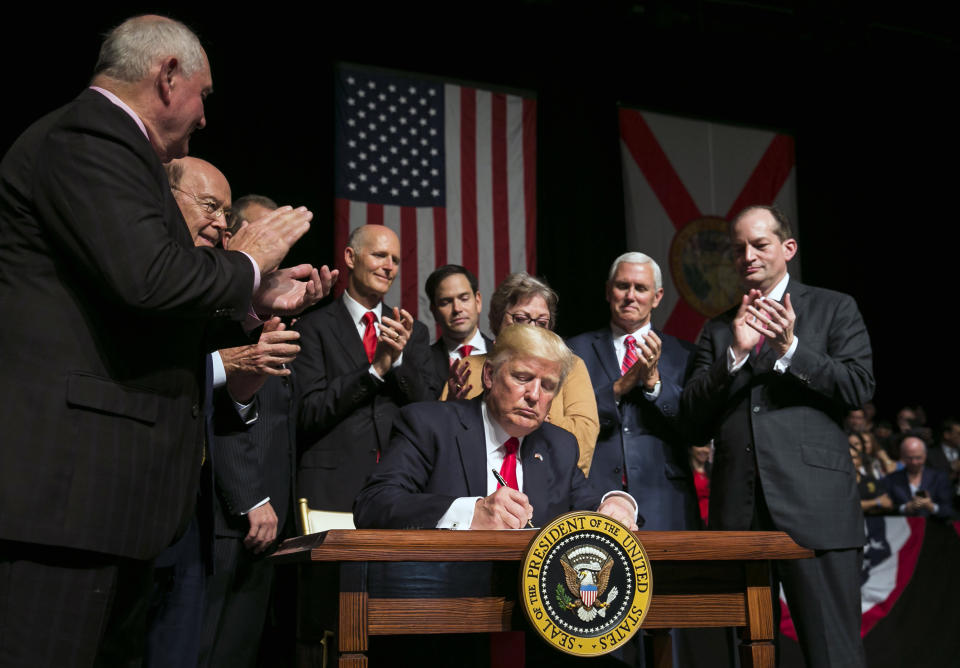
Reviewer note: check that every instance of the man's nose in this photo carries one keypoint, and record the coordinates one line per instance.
(533, 391)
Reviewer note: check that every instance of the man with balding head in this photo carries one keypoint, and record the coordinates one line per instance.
(917, 489)
(101, 398)
(360, 361)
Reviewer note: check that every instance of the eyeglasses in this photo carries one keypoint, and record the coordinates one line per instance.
(211, 208)
(524, 319)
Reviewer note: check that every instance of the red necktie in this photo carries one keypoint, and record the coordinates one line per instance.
(630, 358)
(370, 334)
(465, 350)
(508, 471)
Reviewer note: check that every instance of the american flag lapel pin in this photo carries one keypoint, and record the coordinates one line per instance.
(537, 455)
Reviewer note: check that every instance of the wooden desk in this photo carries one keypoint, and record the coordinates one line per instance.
(700, 579)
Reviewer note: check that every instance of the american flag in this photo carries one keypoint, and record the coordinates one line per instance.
(451, 169)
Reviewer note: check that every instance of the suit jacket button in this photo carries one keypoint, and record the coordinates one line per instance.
(195, 410)
(756, 409)
(748, 449)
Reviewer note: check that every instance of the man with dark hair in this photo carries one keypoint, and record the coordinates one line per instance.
(772, 381)
(946, 456)
(456, 305)
(360, 360)
(91, 236)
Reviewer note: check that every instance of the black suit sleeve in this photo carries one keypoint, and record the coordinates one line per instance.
(396, 495)
(327, 398)
(844, 372)
(97, 195)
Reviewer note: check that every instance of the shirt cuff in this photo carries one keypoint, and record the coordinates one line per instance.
(256, 272)
(652, 396)
(219, 373)
(460, 513)
(782, 364)
(732, 364)
(627, 496)
(264, 502)
(247, 412)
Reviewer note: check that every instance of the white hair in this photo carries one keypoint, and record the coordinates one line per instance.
(634, 257)
(132, 48)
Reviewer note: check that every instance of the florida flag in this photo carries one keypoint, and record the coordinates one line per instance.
(683, 180)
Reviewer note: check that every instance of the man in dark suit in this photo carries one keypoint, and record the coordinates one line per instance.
(253, 482)
(101, 398)
(455, 303)
(360, 360)
(772, 380)
(917, 489)
(438, 468)
(638, 375)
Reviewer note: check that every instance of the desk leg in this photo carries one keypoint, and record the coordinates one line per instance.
(352, 628)
(757, 649)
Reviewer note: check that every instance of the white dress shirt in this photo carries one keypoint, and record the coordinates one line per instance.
(357, 311)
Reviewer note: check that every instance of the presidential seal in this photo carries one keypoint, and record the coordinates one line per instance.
(586, 583)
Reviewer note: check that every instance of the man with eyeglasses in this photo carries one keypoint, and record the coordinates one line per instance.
(101, 398)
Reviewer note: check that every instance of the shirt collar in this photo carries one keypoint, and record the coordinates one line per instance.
(123, 105)
(620, 334)
(494, 433)
(479, 345)
(356, 309)
(777, 293)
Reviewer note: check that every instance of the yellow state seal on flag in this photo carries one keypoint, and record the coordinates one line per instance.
(586, 583)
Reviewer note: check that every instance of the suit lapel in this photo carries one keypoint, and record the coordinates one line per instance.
(603, 347)
(347, 335)
(536, 471)
(472, 445)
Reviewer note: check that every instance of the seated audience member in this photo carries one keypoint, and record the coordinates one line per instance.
(917, 489)
(455, 303)
(856, 420)
(873, 499)
(700, 464)
(881, 461)
(438, 469)
(946, 456)
(523, 299)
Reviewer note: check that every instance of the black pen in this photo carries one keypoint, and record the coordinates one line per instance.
(496, 474)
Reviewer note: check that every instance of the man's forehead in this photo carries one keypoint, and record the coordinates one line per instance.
(538, 365)
(635, 271)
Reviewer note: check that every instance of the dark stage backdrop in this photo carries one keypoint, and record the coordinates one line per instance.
(865, 95)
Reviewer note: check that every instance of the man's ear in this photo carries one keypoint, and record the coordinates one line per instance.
(487, 376)
(350, 257)
(789, 249)
(166, 77)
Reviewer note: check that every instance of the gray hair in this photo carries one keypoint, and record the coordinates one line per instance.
(238, 212)
(634, 257)
(132, 48)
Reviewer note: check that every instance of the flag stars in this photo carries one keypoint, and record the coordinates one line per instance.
(373, 189)
(402, 99)
(371, 84)
(351, 80)
(351, 101)
(352, 186)
(392, 88)
(362, 176)
(351, 122)
(361, 114)
(361, 93)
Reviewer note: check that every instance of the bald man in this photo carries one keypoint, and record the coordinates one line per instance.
(354, 372)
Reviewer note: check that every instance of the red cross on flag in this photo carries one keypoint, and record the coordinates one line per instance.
(683, 180)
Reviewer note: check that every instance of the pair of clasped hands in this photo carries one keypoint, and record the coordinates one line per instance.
(760, 317)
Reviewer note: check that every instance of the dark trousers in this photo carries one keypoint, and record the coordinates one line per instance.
(238, 596)
(176, 603)
(823, 595)
(65, 607)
